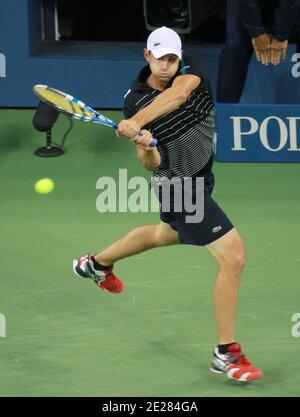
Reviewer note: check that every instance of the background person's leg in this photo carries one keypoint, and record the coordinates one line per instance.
(234, 58)
(297, 34)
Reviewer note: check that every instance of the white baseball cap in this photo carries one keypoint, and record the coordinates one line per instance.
(163, 41)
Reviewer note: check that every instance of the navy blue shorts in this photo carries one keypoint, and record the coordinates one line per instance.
(214, 225)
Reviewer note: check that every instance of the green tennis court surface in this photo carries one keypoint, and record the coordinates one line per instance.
(66, 337)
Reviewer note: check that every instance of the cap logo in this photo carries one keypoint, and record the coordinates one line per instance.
(157, 43)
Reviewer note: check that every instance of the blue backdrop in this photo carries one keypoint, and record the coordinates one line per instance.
(100, 73)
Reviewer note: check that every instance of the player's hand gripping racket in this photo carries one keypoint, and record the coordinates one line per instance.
(74, 107)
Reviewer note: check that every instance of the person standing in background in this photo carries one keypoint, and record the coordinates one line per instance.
(260, 25)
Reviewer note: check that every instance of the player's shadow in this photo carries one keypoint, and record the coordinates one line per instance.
(10, 139)
(266, 385)
(106, 144)
(14, 138)
(271, 378)
(176, 351)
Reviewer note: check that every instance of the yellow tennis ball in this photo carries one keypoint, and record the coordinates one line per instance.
(44, 186)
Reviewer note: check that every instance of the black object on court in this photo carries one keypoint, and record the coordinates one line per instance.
(43, 121)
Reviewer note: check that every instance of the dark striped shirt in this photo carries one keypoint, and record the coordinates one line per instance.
(185, 135)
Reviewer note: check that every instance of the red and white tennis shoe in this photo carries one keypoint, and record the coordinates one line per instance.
(106, 280)
(234, 364)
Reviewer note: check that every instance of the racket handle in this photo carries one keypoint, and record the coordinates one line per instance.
(152, 144)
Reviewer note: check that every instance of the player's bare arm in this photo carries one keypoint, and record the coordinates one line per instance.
(148, 156)
(168, 100)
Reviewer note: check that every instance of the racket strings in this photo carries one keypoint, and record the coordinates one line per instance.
(66, 104)
(71, 106)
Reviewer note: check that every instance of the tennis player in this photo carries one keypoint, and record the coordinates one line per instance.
(171, 101)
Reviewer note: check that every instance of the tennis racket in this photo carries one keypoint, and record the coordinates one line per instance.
(74, 107)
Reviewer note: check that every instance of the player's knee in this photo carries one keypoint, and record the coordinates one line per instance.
(240, 260)
(237, 260)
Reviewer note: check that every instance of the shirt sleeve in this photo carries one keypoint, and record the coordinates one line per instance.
(286, 14)
(251, 16)
(191, 65)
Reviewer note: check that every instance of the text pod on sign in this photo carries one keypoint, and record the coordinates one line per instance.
(283, 130)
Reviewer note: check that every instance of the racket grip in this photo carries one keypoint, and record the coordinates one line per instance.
(153, 143)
